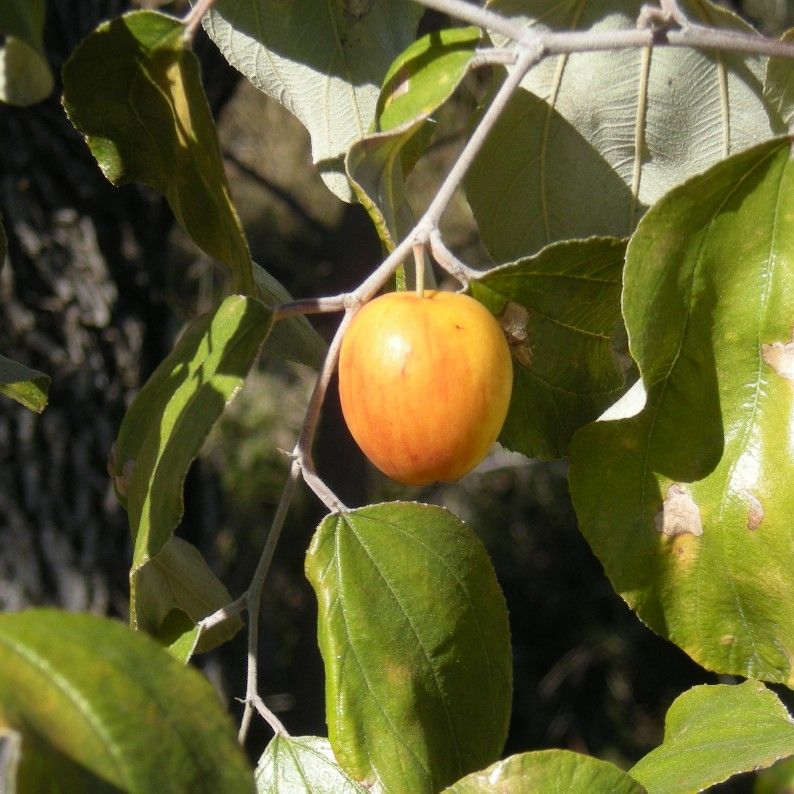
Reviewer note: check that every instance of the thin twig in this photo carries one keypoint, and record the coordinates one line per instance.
(193, 18)
(303, 449)
(673, 10)
(704, 38)
(223, 614)
(482, 17)
(577, 41)
(272, 720)
(492, 56)
(419, 268)
(254, 595)
(447, 260)
(336, 303)
(429, 221)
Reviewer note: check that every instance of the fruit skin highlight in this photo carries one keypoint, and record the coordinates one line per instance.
(425, 384)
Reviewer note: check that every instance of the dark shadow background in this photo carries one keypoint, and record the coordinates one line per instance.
(97, 284)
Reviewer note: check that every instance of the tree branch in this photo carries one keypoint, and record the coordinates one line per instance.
(447, 260)
(482, 17)
(223, 614)
(337, 303)
(253, 599)
(429, 221)
(674, 11)
(570, 42)
(193, 18)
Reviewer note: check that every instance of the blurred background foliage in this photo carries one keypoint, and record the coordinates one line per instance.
(588, 675)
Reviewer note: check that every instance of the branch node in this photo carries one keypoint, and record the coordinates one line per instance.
(447, 260)
(353, 301)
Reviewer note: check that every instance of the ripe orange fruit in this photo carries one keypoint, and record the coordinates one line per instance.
(425, 384)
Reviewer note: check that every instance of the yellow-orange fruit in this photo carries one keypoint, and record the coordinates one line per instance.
(425, 384)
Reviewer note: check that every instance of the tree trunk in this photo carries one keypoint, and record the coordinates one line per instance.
(83, 300)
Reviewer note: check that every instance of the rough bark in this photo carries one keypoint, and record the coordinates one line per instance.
(82, 298)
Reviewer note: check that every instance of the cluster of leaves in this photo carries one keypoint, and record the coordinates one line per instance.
(638, 204)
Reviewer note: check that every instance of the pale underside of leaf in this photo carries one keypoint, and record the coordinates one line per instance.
(654, 117)
(321, 62)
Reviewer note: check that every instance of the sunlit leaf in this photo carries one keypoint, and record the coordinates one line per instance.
(97, 707)
(25, 75)
(323, 60)
(23, 384)
(419, 81)
(424, 76)
(179, 634)
(548, 772)
(170, 418)
(564, 306)
(178, 582)
(714, 732)
(414, 635)
(605, 134)
(302, 765)
(147, 120)
(688, 504)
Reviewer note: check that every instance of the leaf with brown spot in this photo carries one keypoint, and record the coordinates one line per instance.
(780, 357)
(678, 515)
(561, 309)
(706, 298)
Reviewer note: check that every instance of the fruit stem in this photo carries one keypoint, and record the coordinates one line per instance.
(419, 260)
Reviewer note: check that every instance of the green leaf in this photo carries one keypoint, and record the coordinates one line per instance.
(25, 75)
(566, 303)
(302, 764)
(414, 635)
(623, 126)
(323, 60)
(147, 120)
(779, 83)
(424, 76)
(168, 421)
(714, 732)
(293, 338)
(177, 585)
(23, 384)
(548, 772)
(180, 634)
(31, 764)
(97, 702)
(688, 504)
(778, 779)
(419, 81)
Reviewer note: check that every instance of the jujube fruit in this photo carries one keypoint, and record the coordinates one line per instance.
(425, 384)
